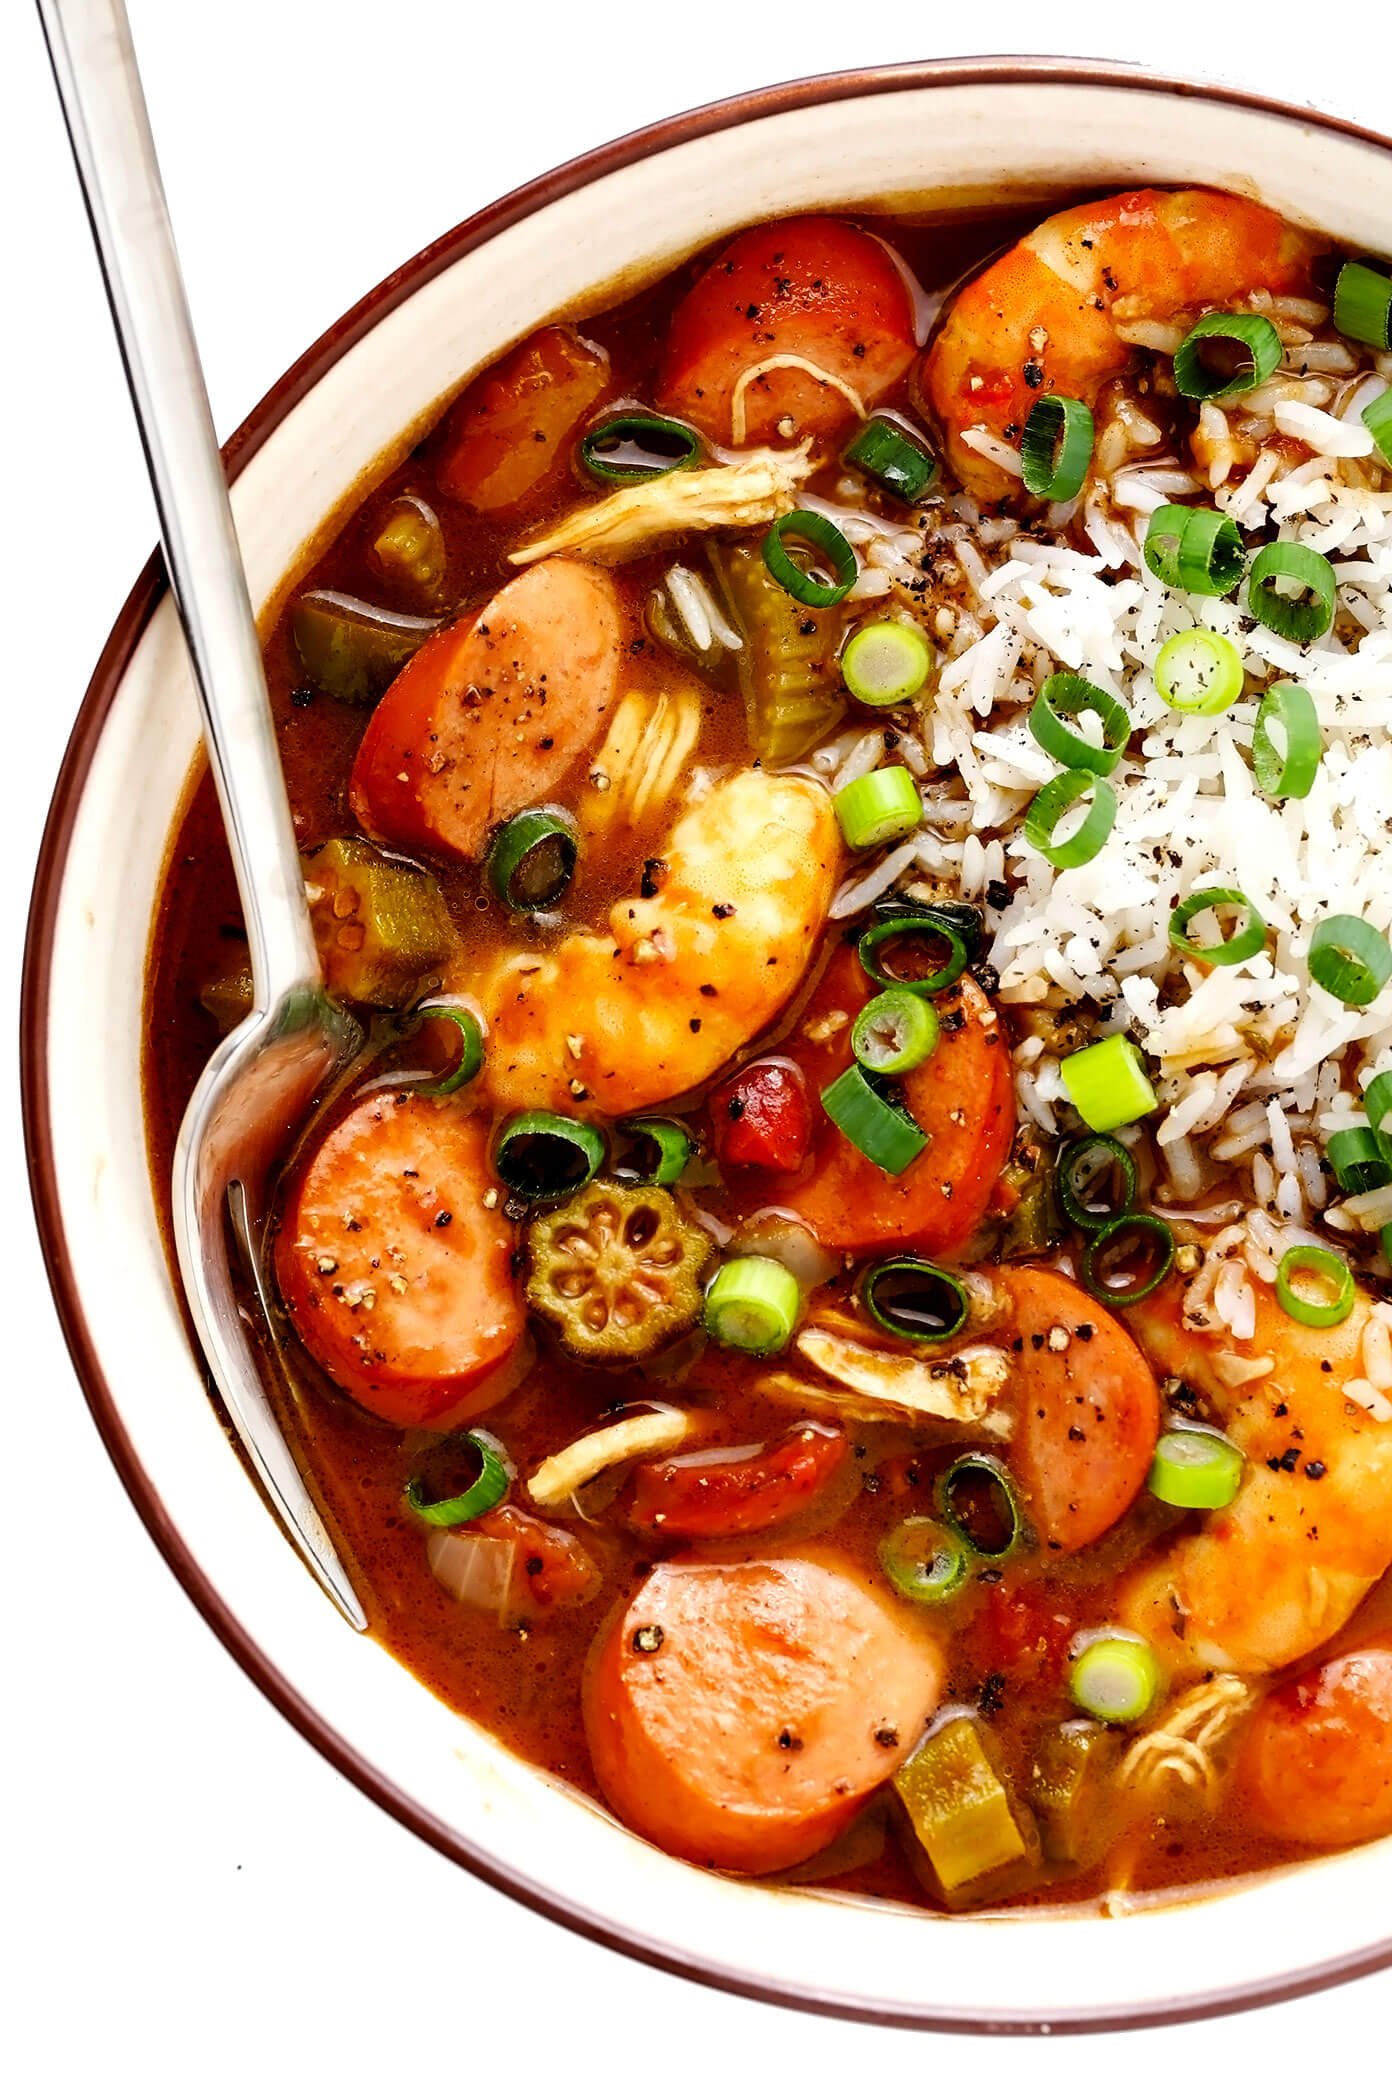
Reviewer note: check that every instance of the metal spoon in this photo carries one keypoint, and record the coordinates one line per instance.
(257, 1087)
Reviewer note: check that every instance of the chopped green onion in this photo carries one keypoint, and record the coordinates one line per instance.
(1299, 617)
(662, 1150)
(1199, 672)
(1066, 696)
(544, 1157)
(891, 456)
(1363, 305)
(925, 1562)
(1350, 959)
(1257, 347)
(1115, 1678)
(1082, 1166)
(880, 807)
(1377, 419)
(1333, 1277)
(1195, 549)
(976, 1498)
(469, 1061)
(1377, 1101)
(886, 663)
(753, 1304)
(1056, 799)
(1247, 936)
(634, 447)
(1358, 1159)
(1056, 447)
(930, 925)
(894, 1032)
(1117, 1243)
(533, 859)
(1195, 1468)
(877, 1127)
(819, 534)
(1107, 1084)
(1292, 774)
(914, 1299)
(492, 1483)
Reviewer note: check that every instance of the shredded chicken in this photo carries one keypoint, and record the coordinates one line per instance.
(746, 495)
(643, 758)
(1184, 1746)
(875, 1384)
(639, 1435)
(738, 417)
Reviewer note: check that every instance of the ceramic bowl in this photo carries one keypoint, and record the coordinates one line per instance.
(914, 137)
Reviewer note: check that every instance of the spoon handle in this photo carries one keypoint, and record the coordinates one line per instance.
(98, 83)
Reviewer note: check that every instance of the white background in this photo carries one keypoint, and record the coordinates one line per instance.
(192, 1894)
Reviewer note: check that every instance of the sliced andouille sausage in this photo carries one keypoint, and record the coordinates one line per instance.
(799, 291)
(512, 430)
(1086, 1402)
(397, 1274)
(740, 1715)
(962, 1097)
(1315, 1762)
(737, 1493)
(491, 713)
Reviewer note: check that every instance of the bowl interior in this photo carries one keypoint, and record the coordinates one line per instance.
(935, 138)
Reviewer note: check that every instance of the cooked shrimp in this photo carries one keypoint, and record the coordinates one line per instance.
(1265, 1581)
(1066, 308)
(683, 978)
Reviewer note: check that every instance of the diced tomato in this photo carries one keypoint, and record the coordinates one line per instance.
(961, 1097)
(753, 1490)
(811, 287)
(763, 1118)
(553, 1568)
(1023, 1631)
(512, 429)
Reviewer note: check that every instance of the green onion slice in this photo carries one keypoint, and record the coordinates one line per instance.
(1199, 672)
(1358, 1160)
(1333, 1295)
(544, 1157)
(634, 447)
(1057, 798)
(886, 663)
(1195, 549)
(492, 1483)
(1291, 774)
(1300, 617)
(1377, 1101)
(924, 1561)
(662, 1150)
(469, 1059)
(1195, 1468)
(1247, 936)
(890, 455)
(1113, 1250)
(914, 1299)
(1066, 696)
(753, 1304)
(819, 534)
(880, 807)
(1107, 1084)
(1090, 1165)
(879, 1128)
(894, 1032)
(1377, 419)
(1115, 1678)
(533, 859)
(976, 1498)
(931, 927)
(1250, 353)
(1350, 959)
(1363, 305)
(1056, 447)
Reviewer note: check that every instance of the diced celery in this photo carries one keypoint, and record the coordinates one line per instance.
(410, 547)
(787, 664)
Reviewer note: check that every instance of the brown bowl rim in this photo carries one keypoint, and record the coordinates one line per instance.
(134, 616)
